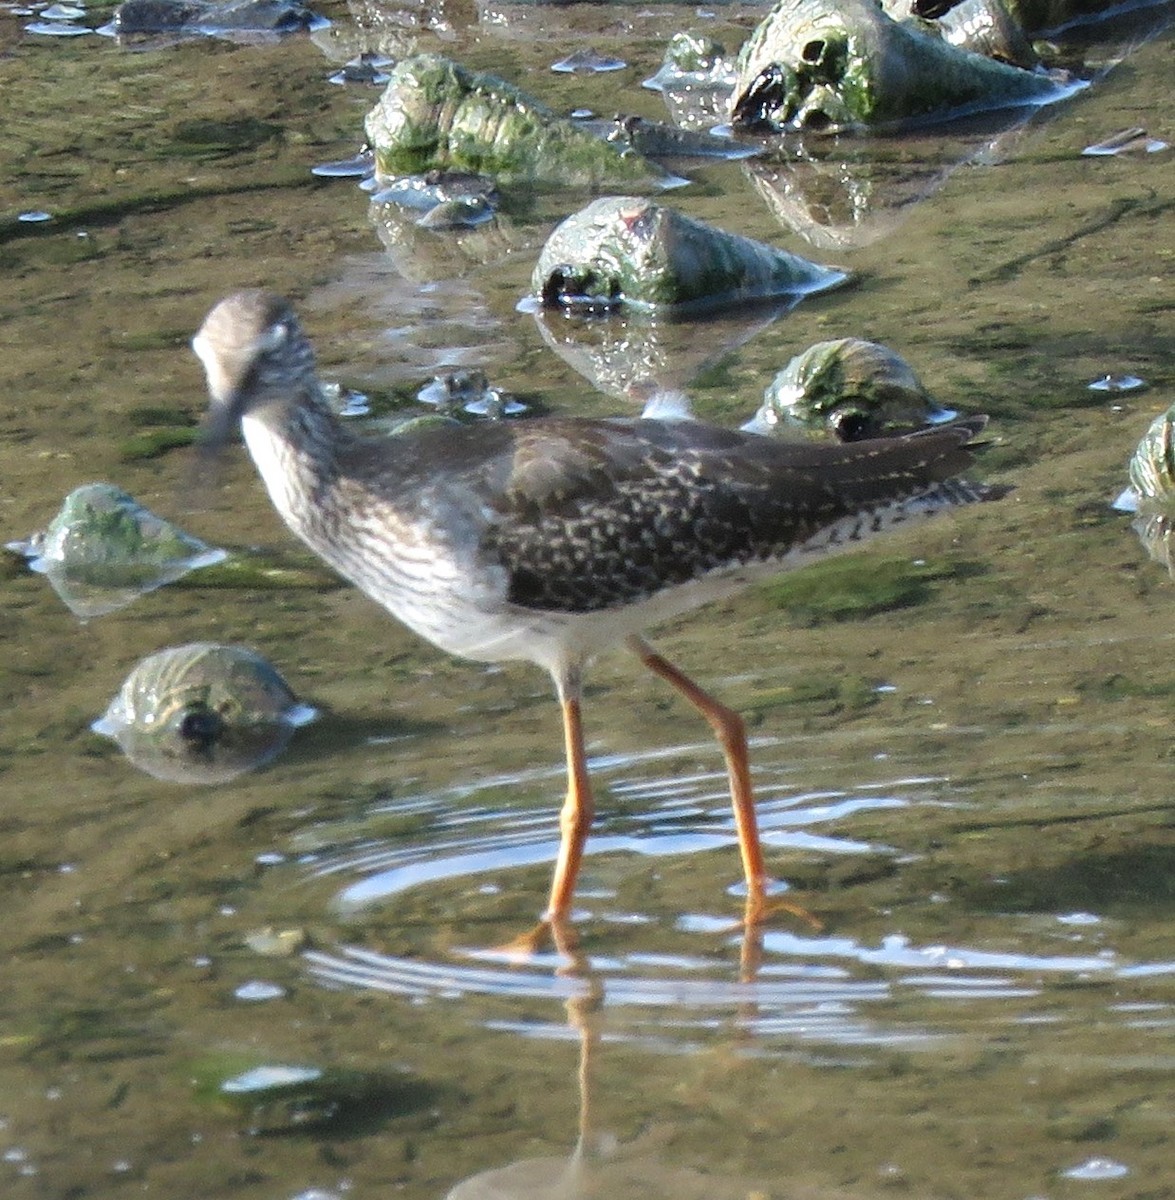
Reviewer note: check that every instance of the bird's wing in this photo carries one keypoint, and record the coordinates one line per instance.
(593, 514)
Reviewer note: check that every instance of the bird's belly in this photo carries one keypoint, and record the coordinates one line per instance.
(467, 614)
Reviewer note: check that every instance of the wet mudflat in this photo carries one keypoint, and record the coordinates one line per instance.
(962, 742)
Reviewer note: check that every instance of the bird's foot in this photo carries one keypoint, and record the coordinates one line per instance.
(550, 931)
(762, 909)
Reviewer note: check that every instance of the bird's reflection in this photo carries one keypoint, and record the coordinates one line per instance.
(600, 1165)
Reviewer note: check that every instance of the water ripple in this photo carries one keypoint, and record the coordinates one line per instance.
(671, 979)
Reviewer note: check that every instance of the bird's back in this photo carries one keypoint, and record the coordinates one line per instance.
(578, 515)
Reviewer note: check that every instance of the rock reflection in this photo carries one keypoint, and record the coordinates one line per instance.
(840, 193)
(838, 201)
(693, 61)
(634, 356)
(422, 254)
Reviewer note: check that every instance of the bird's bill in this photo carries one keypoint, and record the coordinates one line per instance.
(220, 385)
(225, 409)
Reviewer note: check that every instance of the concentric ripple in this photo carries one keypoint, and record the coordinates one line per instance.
(673, 977)
(470, 835)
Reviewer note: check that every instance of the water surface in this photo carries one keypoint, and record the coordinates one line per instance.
(971, 792)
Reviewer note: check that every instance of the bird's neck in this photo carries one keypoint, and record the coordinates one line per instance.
(295, 442)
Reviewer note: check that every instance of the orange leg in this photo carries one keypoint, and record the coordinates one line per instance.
(575, 821)
(578, 809)
(732, 737)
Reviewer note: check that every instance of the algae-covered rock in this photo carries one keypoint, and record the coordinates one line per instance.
(1152, 466)
(202, 713)
(1151, 494)
(837, 201)
(104, 549)
(828, 65)
(436, 113)
(985, 27)
(624, 250)
(847, 388)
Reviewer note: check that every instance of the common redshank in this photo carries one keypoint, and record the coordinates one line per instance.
(552, 539)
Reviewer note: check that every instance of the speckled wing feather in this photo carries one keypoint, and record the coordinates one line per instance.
(595, 514)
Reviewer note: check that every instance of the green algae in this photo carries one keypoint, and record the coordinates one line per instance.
(845, 589)
(268, 1097)
(156, 442)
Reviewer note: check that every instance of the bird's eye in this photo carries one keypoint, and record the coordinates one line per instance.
(275, 336)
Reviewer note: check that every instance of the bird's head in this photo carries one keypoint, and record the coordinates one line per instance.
(254, 353)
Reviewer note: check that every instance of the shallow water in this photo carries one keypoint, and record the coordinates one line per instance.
(971, 791)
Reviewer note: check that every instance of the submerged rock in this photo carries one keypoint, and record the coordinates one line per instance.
(202, 713)
(655, 139)
(467, 390)
(436, 113)
(424, 255)
(274, 1097)
(829, 65)
(692, 60)
(463, 212)
(588, 61)
(104, 549)
(153, 18)
(1134, 140)
(623, 251)
(850, 389)
(364, 69)
(424, 192)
